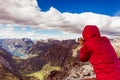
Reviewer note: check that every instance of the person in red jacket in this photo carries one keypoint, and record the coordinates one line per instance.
(99, 52)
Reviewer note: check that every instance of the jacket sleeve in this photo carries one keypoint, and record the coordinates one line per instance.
(84, 54)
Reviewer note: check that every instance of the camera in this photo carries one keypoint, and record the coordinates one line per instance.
(79, 39)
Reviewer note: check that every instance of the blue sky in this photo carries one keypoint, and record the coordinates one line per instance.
(60, 19)
(107, 7)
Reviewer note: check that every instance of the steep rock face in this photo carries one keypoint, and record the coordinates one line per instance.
(57, 54)
(5, 54)
(6, 74)
(5, 63)
(9, 68)
(6, 59)
(6, 70)
(39, 48)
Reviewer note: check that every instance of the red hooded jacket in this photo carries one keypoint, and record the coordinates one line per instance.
(99, 51)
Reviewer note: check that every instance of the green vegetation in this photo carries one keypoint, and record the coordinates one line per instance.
(41, 75)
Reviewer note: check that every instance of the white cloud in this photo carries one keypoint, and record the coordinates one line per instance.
(6, 32)
(18, 11)
(27, 12)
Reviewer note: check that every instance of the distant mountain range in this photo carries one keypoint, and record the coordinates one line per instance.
(25, 47)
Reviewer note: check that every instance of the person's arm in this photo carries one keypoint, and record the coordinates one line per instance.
(84, 52)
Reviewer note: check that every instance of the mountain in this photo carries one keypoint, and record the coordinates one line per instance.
(12, 68)
(38, 48)
(51, 55)
(6, 58)
(18, 47)
(6, 74)
(6, 68)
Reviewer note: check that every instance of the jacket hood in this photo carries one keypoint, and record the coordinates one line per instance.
(90, 31)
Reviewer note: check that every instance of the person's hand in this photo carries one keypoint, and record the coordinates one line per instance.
(81, 41)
